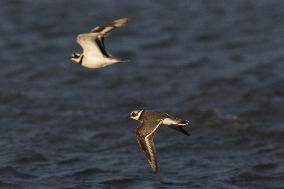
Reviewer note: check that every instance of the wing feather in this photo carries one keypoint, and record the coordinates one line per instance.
(180, 129)
(89, 44)
(145, 135)
(105, 29)
(93, 42)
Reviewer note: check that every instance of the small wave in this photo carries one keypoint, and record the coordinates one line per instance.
(88, 172)
(5, 185)
(11, 171)
(68, 161)
(264, 167)
(78, 186)
(30, 158)
(251, 177)
(119, 182)
(9, 98)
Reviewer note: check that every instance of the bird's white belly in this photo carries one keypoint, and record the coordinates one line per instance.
(95, 62)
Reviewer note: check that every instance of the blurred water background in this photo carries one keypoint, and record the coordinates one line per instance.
(218, 64)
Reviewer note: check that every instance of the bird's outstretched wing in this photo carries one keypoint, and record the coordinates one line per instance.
(105, 29)
(91, 45)
(93, 42)
(145, 135)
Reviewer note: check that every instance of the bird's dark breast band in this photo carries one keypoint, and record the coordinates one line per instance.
(141, 115)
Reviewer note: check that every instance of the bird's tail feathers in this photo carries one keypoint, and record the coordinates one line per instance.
(177, 124)
(117, 60)
(182, 122)
(175, 121)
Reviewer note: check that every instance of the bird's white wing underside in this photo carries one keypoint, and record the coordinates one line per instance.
(88, 42)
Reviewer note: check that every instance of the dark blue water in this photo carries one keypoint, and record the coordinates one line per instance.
(219, 64)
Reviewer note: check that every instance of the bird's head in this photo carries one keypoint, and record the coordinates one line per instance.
(135, 114)
(76, 57)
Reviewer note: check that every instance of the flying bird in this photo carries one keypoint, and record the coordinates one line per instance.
(94, 53)
(150, 121)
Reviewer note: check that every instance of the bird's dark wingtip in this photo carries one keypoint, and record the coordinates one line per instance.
(180, 129)
(184, 122)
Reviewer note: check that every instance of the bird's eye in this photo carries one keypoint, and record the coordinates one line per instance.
(133, 114)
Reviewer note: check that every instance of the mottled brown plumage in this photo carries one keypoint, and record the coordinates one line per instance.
(150, 121)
